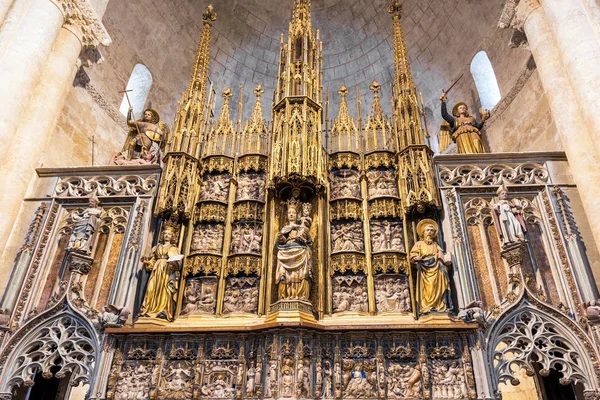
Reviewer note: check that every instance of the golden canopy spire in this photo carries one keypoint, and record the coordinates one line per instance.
(406, 107)
(378, 131)
(345, 135)
(254, 134)
(222, 135)
(300, 22)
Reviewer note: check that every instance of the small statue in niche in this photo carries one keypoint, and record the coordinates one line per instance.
(464, 129)
(327, 379)
(287, 381)
(147, 137)
(251, 379)
(163, 284)
(509, 218)
(433, 282)
(294, 256)
(85, 226)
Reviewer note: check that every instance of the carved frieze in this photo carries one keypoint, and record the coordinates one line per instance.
(248, 210)
(252, 163)
(246, 238)
(247, 264)
(217, 164)
(344, 160)
(348, 262)
(385, 208)
(382, 183)
(210, 212)
(390, 263)
(345, 209)
(498, 174)
(380, 159)
(205, 264)
(127, 185)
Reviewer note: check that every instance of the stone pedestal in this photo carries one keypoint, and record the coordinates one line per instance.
(291, 311)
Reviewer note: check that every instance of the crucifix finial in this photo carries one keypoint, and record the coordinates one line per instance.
(259, 90)
(343, 91)
(375, 87)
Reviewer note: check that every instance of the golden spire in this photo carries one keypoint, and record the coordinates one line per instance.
(300, 22)
(407, 112)
(254, 134)
(378, 130)
(190, 120)
(222, 135)
(344, 133)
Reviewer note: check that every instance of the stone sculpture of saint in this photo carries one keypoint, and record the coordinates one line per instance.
(294, 257)
(161, 291)
(147, 136)
(433, 283)
(510, 223)
(464, 129)
(85, 227)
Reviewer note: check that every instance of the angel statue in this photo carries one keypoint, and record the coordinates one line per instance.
(433, 282)
(147, 137)
(294, 257)
(462, 128)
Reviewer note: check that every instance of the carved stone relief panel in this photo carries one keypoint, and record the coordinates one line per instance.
(347, 236)
(177, 380)
(387, 235)
(251, 186)
(446, 370)
(215, 187)
(207, 238)
(134, 380)
(381, 183)
(359, 369)
(220, 372)
(392, 293)
(403, 370)
(345, 183)
(200, 296)
(350, 294)
(241, 295)
(246, 238)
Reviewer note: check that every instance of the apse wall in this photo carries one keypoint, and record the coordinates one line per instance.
(442, 39)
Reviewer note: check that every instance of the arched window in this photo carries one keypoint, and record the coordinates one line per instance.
(139, 86)
(485, 80)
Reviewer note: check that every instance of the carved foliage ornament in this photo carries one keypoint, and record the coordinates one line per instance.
(128, 185)
(82, 20)
(472, 175)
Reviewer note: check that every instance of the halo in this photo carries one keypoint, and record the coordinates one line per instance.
(155, 116)
(455, 108)
(423, 223)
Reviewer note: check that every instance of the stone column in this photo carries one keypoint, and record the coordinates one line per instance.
(580, 52)
(44, 106)
(574, 133)
(22, 63)
(4, 7)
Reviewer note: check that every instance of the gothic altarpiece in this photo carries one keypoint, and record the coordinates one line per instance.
(298, 259)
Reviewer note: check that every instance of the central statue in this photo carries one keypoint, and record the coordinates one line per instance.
(294, 256)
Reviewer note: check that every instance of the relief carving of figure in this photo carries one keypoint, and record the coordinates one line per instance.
(207, 238)
(345, 183)
(464, 129)
(241, 295)
(327, 379)
(358, 385)
(448, 380)
(178, 380)
(349, 294)
(392, 293)
(85, 226)
(251, 380)
(347, 236)
(381, 183)
(199, 296)
(215, 187)
(509, 218)
(246, 238)
(433, 282)
(163, 284)
(133, 382)
(147, 137)
(294, 256)
(251, 186)
(218, 387)
(404, 381)
(287, 381)
(387, 235)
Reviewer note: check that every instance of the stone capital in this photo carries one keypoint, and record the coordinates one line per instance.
(81, 19)
(514, 15)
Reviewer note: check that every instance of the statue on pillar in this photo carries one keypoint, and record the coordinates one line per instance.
(433, 282)
(294, 256)
(85, 226)
(163, 265)
(464, 129)
(147, 137)
(508, 218)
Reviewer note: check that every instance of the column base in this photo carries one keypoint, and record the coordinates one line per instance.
(291, 311)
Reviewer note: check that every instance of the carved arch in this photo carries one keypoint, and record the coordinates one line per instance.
(65, 340)
(527, 334)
